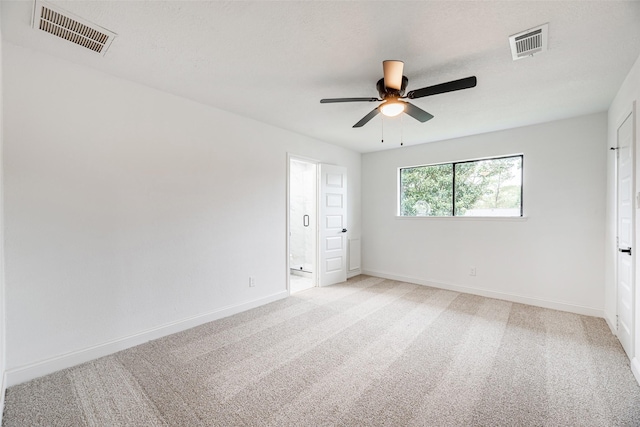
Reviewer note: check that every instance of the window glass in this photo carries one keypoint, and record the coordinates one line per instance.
(488, 187)
(426, 190)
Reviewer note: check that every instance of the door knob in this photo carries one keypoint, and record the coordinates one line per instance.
(626, 251)
(344, 230)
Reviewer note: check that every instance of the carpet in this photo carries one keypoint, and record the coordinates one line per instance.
(368, 352)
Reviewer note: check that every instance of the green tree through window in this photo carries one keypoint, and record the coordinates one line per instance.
(491, 187)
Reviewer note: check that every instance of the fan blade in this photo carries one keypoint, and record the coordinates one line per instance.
(466, 83)
(393, 74)
(330, 100)
(417, 113)
(366, 118)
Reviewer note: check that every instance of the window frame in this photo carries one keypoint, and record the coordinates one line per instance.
(453, 188)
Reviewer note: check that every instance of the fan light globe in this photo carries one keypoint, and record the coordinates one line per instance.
(392, 109)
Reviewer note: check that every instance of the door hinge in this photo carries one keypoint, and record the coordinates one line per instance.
(617, 322)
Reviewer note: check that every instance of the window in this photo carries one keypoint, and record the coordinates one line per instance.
(487, 187)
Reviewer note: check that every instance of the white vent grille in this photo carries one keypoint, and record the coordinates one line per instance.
(529, 42)
(65, 25)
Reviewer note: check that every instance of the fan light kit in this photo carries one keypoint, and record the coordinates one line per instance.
(392, 108)
(391, 90)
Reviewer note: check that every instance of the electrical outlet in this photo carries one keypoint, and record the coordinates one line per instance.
(252, 282)
(472, 271)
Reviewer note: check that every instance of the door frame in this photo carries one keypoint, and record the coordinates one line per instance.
(314, 273)
(630, 113)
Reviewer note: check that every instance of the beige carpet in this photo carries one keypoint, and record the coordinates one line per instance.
(368, 352)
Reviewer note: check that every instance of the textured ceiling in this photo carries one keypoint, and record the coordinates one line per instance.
(274, 61)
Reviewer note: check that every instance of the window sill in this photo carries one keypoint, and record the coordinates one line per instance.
(465, 218)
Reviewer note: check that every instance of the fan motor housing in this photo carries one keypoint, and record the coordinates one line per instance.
(386, 92)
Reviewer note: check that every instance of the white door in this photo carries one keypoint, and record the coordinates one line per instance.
(625, 234)
(333, 225)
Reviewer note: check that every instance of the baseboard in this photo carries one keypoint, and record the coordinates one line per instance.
(635, 368)
(611, 322)
(353, 273)
(3, 390)
(47, 366)
(538, 302)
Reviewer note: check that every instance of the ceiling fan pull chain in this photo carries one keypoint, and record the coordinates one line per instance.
(401, 132)
(382, 129)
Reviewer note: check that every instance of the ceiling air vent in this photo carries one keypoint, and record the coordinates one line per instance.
(529, 42)
(63, 24)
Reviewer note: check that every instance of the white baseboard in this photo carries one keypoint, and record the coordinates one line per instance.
(611, 322)
(635, 368)
(47, 366)
(538, 302)
(3, 390)
(353, 273)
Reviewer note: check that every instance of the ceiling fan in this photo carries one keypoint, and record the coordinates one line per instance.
(391, 89)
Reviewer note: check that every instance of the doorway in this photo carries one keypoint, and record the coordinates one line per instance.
(303, 198)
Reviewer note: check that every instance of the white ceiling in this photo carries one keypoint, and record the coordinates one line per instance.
(274, 61)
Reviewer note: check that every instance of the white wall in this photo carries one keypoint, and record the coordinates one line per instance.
(552, 258)
(622, 104)
(131, 213)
